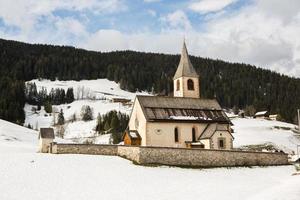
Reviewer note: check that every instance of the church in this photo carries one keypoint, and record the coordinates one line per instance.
(185, 120)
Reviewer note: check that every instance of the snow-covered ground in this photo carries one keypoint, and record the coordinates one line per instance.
(259, 131)
(16, 138)
(95, 93)
(25, 174)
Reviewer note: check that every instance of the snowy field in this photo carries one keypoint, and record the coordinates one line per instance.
(25, 174)
(260, 131)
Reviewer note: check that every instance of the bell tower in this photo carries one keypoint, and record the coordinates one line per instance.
(186, 79)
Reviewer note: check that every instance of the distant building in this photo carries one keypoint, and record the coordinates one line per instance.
(46, 137)
(120, 100)
(185, 120)
(273, 117)
(261, 115)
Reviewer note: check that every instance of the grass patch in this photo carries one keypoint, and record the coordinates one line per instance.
(260, 147)
(283, 128)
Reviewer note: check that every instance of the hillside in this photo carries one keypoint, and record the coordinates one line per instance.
(97, 94)
(30, 175)
(17, 138)
(232, 84)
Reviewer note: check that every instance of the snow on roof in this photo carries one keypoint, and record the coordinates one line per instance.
(261, 113)
(189, 118)
(133, 134)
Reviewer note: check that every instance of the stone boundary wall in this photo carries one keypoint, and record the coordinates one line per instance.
(176, 156)
(92, 149)
(208, 158)
(131, 153)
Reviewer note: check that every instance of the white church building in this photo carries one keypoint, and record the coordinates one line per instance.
(185, 120)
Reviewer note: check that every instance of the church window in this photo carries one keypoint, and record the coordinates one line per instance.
(178, 85)
(221, 143)
(176, 136)
(194, 135)
(190, 83)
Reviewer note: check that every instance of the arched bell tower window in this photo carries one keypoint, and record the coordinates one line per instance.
(177, 85)
(190, 84)
(176, 136)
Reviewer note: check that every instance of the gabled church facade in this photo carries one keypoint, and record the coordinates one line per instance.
(185, 120)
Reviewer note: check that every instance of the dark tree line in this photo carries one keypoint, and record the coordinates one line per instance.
(112, 122)
(12, 100)
(55, 97)
(233, 84)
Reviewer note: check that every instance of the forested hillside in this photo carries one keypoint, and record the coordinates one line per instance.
(232, 84)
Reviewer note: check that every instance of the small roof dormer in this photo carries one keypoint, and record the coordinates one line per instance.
(185, 67)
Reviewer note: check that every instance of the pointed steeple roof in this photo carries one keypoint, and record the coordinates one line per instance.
(185, 67)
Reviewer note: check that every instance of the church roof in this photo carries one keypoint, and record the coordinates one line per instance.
(133, 134)
(185, 67)
(210, 130)
(158, 108)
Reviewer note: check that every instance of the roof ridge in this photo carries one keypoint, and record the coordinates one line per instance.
(172, 97)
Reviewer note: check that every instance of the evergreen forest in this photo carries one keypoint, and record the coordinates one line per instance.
(232, 84)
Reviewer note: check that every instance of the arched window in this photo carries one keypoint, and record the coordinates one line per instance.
(176, 136)
(190, 84)
(194, 135)
(177, 85)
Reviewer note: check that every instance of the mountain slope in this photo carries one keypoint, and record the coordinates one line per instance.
(232, 84)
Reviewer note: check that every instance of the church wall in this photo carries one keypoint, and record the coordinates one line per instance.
(162, 133)
(140, 124)
(224, 135)
(178, 93)
(206, 143)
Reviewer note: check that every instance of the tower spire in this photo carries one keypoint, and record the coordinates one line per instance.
(186, 80)
(185, 67)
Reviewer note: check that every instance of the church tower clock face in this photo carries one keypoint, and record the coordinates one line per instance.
(136, 123)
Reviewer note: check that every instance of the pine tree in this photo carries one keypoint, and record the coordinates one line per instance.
(106, 126)
(70, 95)
(61, 118)
(48, 107)
(99, 126)
(86, 113)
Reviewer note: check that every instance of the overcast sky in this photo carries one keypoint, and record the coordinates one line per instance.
(265, 33)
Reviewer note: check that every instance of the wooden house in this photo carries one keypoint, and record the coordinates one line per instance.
(132, 137)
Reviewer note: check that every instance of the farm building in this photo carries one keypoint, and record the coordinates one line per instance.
(261, 114)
